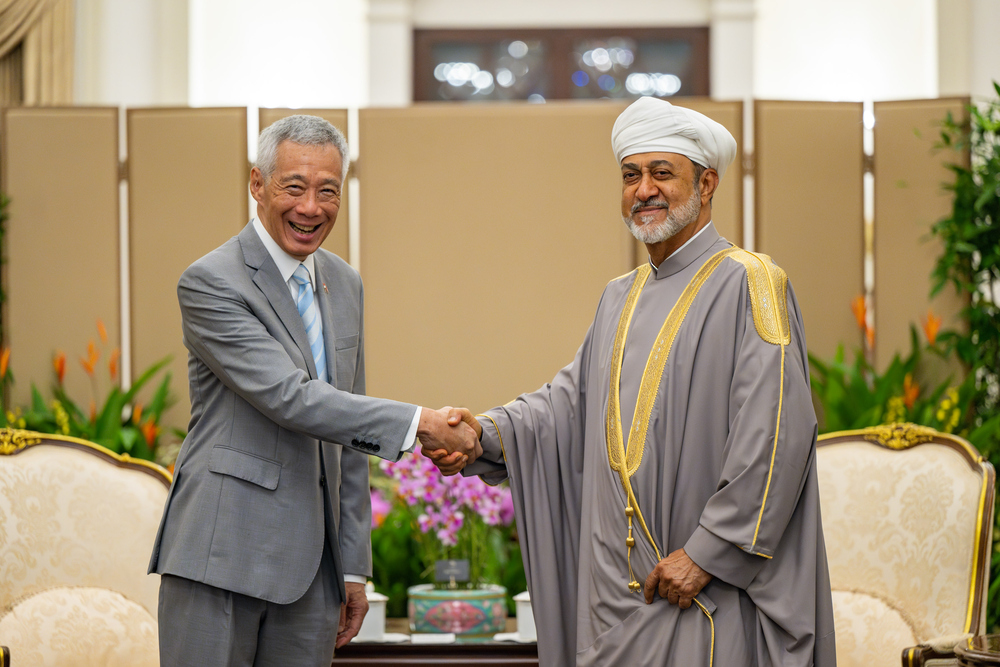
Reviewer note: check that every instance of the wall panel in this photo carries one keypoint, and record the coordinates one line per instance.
(809, 218)
(60, 169)
(187, 174)
(338, 241)
(487, 236)
(909, 198)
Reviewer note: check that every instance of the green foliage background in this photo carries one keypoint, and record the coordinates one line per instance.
(852, 395)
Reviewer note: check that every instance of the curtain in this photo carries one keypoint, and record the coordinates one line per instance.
(36, 38)
(12, 78)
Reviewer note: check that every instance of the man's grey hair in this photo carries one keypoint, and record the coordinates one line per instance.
(303, 130)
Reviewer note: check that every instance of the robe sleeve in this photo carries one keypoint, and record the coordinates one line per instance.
(771, 441)
(537, 441)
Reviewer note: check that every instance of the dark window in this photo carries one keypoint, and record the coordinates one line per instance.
(538, 64)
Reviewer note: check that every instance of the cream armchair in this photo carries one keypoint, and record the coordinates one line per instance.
(907, 515)
(77, 524)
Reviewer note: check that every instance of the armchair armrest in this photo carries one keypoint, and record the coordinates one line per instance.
(937, 651)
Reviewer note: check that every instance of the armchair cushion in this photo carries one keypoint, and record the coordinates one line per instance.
(869, 632)
(70, 627)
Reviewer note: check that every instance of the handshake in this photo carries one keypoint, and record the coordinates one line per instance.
(450, 438)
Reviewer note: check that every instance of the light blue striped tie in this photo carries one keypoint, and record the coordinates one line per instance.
(306, 303)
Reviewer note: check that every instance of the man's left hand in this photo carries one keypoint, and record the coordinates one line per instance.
(677, 578)
(352, 612)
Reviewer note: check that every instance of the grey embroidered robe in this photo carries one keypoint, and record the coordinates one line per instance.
(727, 473)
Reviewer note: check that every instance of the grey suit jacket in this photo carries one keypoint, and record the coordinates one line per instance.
(245, 512)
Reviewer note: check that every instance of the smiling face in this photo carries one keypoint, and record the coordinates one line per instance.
(298, 203)
(665, 197)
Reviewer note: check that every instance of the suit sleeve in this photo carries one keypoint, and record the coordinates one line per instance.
(221, 329)
(355, 495)
(770, 448)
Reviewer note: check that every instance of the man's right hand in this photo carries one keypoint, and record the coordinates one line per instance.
(458, 440)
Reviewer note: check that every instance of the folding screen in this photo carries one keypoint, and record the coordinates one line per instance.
(909, 197)
(338, 241)
(187, 174)
(62, 273)
(487, 236)
(809, 200)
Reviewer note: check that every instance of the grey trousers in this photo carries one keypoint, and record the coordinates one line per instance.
(207, 626)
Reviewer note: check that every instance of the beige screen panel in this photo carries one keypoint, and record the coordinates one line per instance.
(60, 170)
(809, 197)
(487, 236)
(727, 205)
(909, 199)
(338, 241)
(187, 174)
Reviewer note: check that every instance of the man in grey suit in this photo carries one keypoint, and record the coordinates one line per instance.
(269, 512)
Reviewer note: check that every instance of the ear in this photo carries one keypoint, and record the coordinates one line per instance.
(256, 184)
(709, 183)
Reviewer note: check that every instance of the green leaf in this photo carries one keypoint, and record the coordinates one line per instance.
(37, 402)
(145, 377)
(128, 437)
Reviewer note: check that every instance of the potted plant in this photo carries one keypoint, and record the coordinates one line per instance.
(436, 523)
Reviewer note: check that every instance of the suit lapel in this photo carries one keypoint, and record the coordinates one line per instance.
(268, 279)
(326, 298)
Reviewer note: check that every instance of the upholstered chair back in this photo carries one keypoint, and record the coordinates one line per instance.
(77, 524)
(907, 516)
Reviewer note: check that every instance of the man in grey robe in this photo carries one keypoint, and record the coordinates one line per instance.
(664, 482)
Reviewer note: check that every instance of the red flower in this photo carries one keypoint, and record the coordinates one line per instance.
(932, 325)
(150, 431)
(91, 361)
(113, 363)
(59, 364)
(860, 310)
(4, 360)
(911, 390)
(102, 331)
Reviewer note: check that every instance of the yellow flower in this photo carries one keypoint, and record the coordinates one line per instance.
(895, 410)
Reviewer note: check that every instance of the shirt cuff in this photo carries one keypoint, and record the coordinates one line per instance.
(410, 439)
(355, 579)
(721, 559)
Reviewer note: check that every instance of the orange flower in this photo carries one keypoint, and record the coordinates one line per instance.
(137, 413)
(860, 310)
(113, 363)
(150, 430)
(870, 337)
(59, 364)
(4, 360)
(91, 361)
(910, 391)
(102, 331)
(932, 325)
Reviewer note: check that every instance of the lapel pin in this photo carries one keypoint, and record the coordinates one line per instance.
(325, 289)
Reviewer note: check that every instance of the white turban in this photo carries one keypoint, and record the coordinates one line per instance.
(651, 125)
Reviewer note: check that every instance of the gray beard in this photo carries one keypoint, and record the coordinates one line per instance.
(677, 219)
